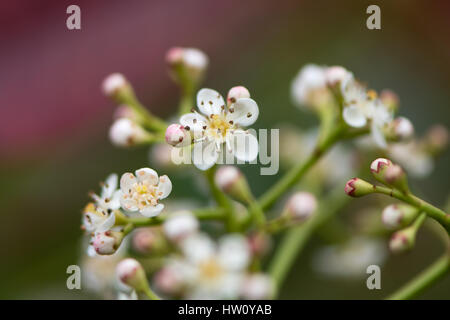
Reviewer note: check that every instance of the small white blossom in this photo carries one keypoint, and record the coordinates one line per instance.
(257, 287)
(361, 107)
(218, 128)
(99, 216)
(210, 271)
(142, 192)
(411, 156)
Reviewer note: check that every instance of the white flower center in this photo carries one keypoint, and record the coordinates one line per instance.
(210, 270)
(218, 127)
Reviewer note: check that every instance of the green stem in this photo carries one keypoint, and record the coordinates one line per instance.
(297, 172)
(150, 294)
(433, 212)
(201, 214)
(296, 238)
(186, 102)
(220, 198)
(424, 280)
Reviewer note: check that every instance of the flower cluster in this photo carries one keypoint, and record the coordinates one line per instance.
(222, 251)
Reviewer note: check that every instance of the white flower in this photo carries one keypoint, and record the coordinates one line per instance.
(143, 191)
(180, 225)
(361, 107)
(211, 271)
(219, 127)
(301, 205)
(100, 217)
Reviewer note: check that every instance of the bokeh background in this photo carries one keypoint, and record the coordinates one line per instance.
(54, 118)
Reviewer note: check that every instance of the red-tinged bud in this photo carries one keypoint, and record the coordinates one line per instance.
(106, 243)
(130, 272)
(399, 215)
(402, 240)
(231, 181)
(178, 136)
(357, 188)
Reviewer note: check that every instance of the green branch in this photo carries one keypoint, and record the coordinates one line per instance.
(424, 280)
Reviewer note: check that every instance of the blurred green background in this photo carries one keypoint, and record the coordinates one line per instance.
(47, 171)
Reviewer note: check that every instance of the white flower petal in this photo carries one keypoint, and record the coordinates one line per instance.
(209, 101)
(152, 211)
(244, 145)
(107, 224)
(204, 155)
(354, 117)
(164, 187)
(378, 136)
(114, 202)
(147, 174)
(195, 121)
(245, 112)
(109, 186)
(127, 181)
(128, 204)
(198, 248)
(234, 252)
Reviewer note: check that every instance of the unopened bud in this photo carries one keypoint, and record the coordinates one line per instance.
(188, 65)
(398, 215)
(259, 243)
(300, 206)
(236, 93)
(113, 84)
(395, 176)
(231, 181)
(436, 139)
(378, 168)
(169, 280)
(402, 240)
(180, 225)
(130, 272)
(127, 133)
(257, 287)
(357, 188)
(124, 111)
(400, 129)
(390, 100)
(337, 74)
(177, 135)
(106, 243)
(148, 240)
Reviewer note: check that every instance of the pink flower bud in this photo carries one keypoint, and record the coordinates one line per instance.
(379, 164)
(357, 188)
(301, 206)
(130, 272)
(106, 243)
(126, 133)
(390, 99)
(259, 244)
(402, 240)
(113, 83)
(177, 135)
(124, 111)
(231, 181)
(188, 65)
(174, 55)
(180, 225)
(236, 93)
(398, 215)
(168, 280)
(337, 74)
(146, 240)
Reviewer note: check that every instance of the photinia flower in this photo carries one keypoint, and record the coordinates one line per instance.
(210, 271)
(99, 216)
(218, 127)
(142, 192)
(362, 106)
